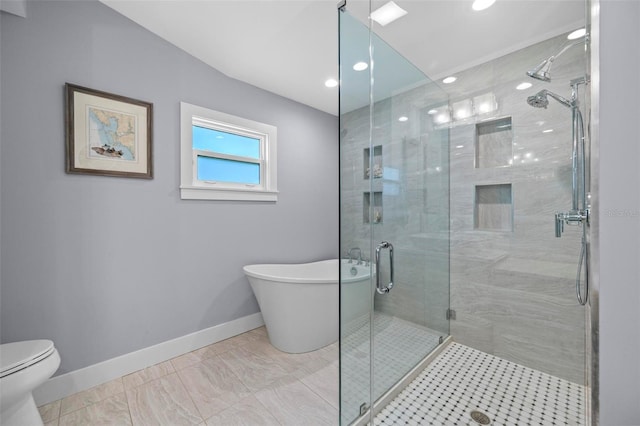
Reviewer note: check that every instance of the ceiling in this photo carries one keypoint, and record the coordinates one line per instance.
(290, 47)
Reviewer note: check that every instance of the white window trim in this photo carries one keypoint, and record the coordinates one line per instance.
(193, 189)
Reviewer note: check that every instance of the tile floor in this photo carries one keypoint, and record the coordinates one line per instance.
(239, 381)
(245, 381)
(400, 345)
(461, 380)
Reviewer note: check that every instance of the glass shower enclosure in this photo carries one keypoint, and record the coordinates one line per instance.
(449, 198)
(394, 220)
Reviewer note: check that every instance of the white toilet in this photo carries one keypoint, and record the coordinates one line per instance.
(23, 367)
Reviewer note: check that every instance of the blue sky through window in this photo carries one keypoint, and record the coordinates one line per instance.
(222, 170)
(225, 143)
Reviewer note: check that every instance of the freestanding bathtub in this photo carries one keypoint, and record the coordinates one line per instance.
(299, 302)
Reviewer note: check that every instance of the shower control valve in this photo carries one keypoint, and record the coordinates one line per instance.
(574, 217)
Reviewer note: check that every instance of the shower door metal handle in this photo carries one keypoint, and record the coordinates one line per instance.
(388, 287)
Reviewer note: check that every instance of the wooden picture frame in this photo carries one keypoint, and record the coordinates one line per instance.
(107, 134)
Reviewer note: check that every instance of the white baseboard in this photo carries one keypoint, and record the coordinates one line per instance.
(85, 378)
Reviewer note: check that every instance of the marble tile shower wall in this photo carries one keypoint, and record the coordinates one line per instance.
(513, 289)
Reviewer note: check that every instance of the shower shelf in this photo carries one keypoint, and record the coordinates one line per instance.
(493, 208)
(376, 203)
(377, 162)
(494, 143)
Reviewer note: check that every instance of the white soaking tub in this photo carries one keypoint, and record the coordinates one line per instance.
(299, 302)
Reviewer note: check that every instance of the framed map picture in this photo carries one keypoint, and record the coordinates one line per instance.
(108, 135)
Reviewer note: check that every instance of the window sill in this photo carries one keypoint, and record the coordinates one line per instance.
(199, 193)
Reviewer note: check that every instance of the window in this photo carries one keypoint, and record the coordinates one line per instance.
(224, 157)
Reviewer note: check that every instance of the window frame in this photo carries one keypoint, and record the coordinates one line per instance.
(191, 188)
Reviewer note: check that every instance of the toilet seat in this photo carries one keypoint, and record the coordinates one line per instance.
(20, 355)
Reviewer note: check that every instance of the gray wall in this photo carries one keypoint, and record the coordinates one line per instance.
(619, 192)
(104, 266)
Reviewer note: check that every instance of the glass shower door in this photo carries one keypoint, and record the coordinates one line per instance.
(394, 218)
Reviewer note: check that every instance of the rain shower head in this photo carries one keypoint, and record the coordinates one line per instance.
(540, 99)
(543, 70)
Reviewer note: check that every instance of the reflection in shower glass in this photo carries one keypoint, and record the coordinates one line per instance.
(399, 194)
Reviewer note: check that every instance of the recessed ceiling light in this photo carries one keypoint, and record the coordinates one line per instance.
(331, 82)
(387, 13)
(360, 66)
(523, 86)
(547, 131)
(432, 111)
(482, 4)
(449, 80)
(577, 34)
(403, 118)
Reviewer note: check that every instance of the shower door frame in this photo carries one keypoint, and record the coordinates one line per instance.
(376, 399)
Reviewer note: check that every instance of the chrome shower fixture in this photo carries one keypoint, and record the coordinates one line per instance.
(540, 100)
(543, 70)
(579, 213)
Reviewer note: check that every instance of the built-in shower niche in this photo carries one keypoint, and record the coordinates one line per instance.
(377, 162)
(493, 207)
(494, 143)
(376, 202)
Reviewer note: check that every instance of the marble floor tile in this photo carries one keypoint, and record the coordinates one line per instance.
(309, 362)
(50, 412)
(296, 364)
(246, 412)
(164, 401)
(186, 360)
(212, 386)
(254, 369)
(217, 383)
(194, 357)
(325, 382)
(330, 352)
(90, 396)
(110, 411)
(293, 403)
(148, 374)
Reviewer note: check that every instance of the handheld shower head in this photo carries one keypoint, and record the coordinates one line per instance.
(540, 99)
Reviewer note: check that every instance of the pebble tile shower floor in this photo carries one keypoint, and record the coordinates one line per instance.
(403, 342)
(462, 380)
